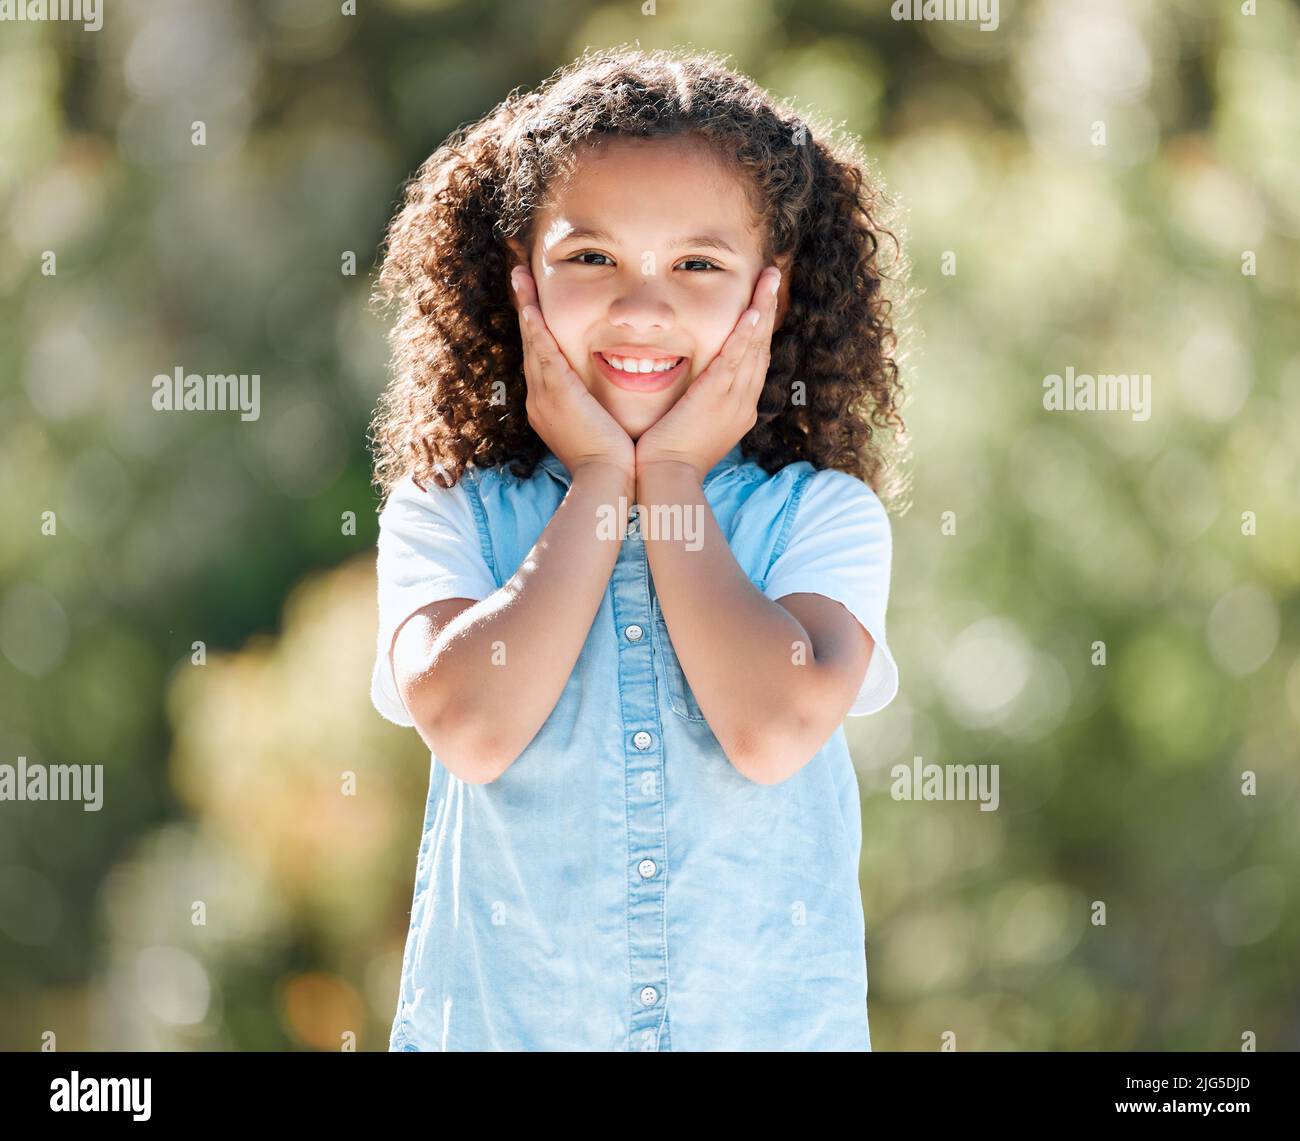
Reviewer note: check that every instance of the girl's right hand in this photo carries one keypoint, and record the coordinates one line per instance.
(570, 421)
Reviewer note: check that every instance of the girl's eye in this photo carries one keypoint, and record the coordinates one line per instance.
(594, 254)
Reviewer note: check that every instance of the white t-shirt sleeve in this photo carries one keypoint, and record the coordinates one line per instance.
(428, 550)
(840, 546)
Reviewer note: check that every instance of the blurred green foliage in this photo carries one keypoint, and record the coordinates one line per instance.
(1032, 535)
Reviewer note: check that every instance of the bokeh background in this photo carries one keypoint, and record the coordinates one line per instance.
(261, 783)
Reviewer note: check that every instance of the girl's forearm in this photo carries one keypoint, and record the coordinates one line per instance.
(723, 629)
(496, 671)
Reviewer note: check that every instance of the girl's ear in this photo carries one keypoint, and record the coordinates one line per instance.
(783, 263)
(517, 254)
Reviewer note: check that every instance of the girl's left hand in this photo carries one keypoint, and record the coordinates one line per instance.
(721, 404)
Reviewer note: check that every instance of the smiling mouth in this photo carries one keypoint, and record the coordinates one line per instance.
(660, 365)
(639, 381)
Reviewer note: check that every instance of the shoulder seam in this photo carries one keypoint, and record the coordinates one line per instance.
(470, 480)
(791, 512)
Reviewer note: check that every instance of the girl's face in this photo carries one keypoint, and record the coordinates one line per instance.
(651, 251)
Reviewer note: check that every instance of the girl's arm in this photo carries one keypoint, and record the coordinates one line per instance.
(479, 679)
(773, 679)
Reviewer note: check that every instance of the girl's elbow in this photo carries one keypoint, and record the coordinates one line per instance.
(473, 758)
(771, 754)
(476, 757)
(754, 759)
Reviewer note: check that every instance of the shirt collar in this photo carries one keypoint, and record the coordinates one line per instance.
(732, 459)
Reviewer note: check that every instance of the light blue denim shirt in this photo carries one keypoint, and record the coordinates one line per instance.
(621, 886)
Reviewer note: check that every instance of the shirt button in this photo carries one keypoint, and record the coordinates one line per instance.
(648, 995)
(642, 740)
(647, 868)
(634, 633)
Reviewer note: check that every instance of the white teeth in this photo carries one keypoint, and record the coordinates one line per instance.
(630, 364)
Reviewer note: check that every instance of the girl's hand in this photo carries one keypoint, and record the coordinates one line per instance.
(721, 404)
(562, 412)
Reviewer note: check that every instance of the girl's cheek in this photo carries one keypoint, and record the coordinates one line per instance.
(555, 292)
(719, 320)
(567, 307)
(565, 316)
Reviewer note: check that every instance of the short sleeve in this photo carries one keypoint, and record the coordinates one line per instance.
(428, 550)
(840, 546)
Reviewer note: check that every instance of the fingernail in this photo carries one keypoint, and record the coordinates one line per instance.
(776, 281)
(527, 318)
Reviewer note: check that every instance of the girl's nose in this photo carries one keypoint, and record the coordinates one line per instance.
(642, 304)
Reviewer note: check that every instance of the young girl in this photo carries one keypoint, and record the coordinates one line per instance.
(632, 569)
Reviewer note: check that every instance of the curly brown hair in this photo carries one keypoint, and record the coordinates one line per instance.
(446, 263)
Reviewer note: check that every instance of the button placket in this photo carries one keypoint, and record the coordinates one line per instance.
(645, 811)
